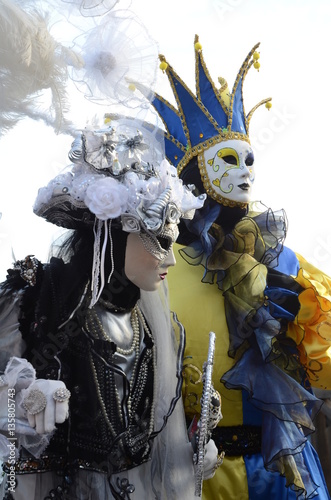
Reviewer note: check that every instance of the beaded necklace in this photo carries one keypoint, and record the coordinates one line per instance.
(94, 325)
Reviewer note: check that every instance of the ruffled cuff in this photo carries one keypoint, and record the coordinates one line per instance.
(262, 352)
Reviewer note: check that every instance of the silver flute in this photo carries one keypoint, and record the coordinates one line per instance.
(203, 430)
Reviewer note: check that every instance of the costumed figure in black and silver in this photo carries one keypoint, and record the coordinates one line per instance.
(89, 354)
(90, 364)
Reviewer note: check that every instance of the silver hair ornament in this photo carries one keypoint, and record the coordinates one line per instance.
(156, 209)
(76, 152)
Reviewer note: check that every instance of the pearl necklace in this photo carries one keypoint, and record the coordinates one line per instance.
(137, 320)
(94, 325)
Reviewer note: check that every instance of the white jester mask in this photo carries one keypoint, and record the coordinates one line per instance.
(211, 126)
(227, 172)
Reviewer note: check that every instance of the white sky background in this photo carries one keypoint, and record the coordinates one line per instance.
(291, 141)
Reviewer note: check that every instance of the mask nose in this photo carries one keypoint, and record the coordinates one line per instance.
(245, 170)
(170, 260)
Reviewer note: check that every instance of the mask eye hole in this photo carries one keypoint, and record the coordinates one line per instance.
(249, 160)
(230, 159)
(165, 243)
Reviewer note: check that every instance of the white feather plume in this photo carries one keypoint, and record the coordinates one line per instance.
(31, 64)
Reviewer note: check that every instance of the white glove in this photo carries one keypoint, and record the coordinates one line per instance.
(212, 461)
(46, 403)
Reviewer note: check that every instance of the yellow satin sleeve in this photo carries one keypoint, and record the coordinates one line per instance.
(229, 482)
(311, 329)
(200, 308)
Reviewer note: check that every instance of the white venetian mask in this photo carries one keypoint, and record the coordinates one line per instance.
(229, 171)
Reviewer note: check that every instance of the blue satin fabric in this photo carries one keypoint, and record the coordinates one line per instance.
(288, 262)
(264, 485)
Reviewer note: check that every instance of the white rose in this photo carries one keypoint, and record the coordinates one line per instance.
(106, 198)
(130, 223)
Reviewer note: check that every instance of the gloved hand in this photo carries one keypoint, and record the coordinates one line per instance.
(46, 403)
(212, 460)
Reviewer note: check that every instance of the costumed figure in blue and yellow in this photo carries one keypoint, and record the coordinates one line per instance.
(269, 308)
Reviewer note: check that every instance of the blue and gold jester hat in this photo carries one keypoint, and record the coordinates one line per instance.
(207, 118)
